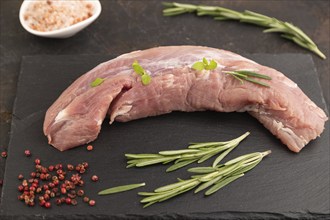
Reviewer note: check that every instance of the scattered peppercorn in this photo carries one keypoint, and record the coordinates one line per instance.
(95, 178)
(20, 188)
(58, 166)
(51, 182)
(51, 168)
(80, 192)
(47, 197)
(51, 185)
(27, 153)
(70, 167)
(42, 202)
(63, 190)
(74, 202)
(72, 196)
(47, 205)
(89, 147)
(4, 154)
(37, 161)
(85, 164)
(68, 200)
(58, 201)
(91, 202)
(78, 167)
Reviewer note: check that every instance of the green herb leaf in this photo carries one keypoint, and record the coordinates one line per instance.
(202, 170)
(204, 64)
(175, 152)
(137, 68)
(221, 156)
(146, 79)
(213, 65)
(179, 165)
(253, 74)
(138, 156)
(198, 66)
(205, 61)
(222, 183)
(257, 82)
(241, 158)
(173, 186)
(207, 184)
(97, 82)
(246, 75)
(118, 189)
(154, 161)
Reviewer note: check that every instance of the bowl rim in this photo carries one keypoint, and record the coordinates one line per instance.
(23, 8)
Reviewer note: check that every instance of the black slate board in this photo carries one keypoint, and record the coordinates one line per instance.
(284, 185)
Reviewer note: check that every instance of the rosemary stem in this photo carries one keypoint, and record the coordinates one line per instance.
(290, 31)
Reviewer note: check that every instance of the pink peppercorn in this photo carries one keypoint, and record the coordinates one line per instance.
(89, 147)
(4, 154)
(27, 153)
(95, 178)
(47, 205)
(91, 202)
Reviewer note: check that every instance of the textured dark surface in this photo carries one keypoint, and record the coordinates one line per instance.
(125, 25)
(285, 184)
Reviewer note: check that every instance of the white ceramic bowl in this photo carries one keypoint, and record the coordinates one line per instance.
(64, 32)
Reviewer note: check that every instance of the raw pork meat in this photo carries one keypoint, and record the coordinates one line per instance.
(76, 116)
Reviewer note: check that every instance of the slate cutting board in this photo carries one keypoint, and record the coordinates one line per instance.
(285, 184)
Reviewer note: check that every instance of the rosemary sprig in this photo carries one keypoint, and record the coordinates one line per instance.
(247, 76)
(213, 178)
(196, 152)
(288, 30)
(118, 189)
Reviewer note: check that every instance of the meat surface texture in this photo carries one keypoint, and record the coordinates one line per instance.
(76, 116)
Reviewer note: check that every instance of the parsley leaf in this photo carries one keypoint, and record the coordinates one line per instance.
(145, 77)
(97, 82)
(137, 68)
(201, 65)
(212, 65)
(198, 66)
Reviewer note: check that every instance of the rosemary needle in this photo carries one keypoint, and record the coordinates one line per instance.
(118, 189)
(288, 30)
